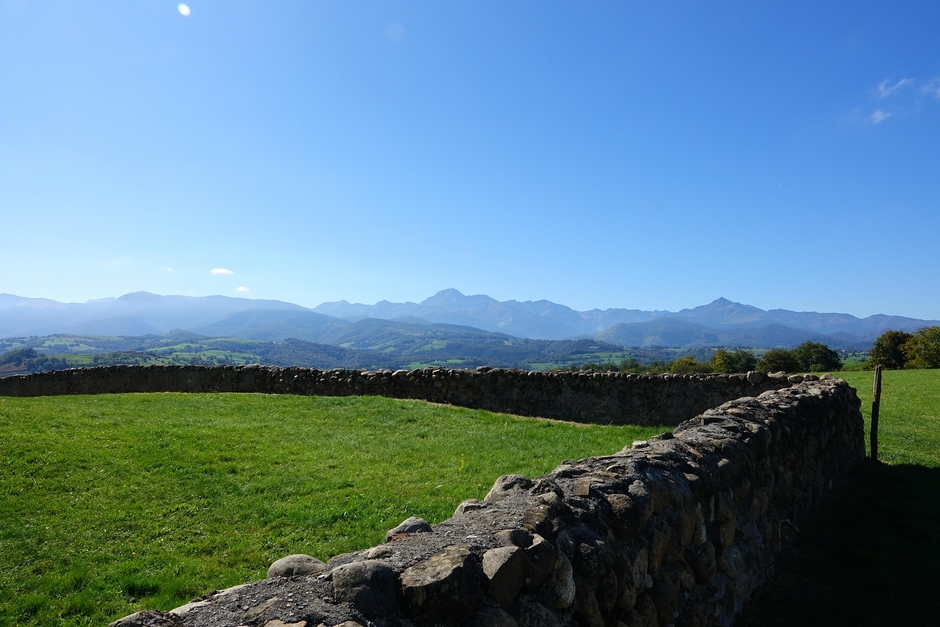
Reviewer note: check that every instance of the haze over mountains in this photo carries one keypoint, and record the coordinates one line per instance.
(719, 323)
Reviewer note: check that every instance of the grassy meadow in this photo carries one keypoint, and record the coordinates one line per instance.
(115, 503)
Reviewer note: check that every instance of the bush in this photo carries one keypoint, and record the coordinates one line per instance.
(737, 361)
(888, 351)
(778, 359)
(687, 365)
(816, 357)
(923, 349)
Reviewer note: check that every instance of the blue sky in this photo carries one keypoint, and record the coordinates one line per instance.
(640, 154)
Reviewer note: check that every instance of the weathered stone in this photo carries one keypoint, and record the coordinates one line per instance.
(586, 609)
(492, 617)
(593, 556)
(646, 612)
(540, 563)
(295, 566)
(148, 618)
(254, 612)
(538, 519)
(189, 607)
(442, 585)
(514, 537)
(562, 582)
(506, 485)
(379, 552)
(607, 591)
(279, 623)
(409, 526)
(666, 599)
(642, 499)
(470, 505)
(537, 615)
(370, 586)
(581, 487)
(505, 568)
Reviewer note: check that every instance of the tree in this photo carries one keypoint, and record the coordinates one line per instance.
(630, 364)
(18, 356)
(778, 359)
(816, 357)
(888, 351)
(923, 349)
(687, 365)
(737, 361)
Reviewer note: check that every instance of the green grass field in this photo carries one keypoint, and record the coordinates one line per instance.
(116, 503)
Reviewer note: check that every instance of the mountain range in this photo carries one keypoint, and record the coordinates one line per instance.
(454, 316)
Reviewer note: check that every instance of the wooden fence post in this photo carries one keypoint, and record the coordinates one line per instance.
(875, 406)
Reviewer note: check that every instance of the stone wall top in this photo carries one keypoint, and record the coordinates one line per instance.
(593, 397)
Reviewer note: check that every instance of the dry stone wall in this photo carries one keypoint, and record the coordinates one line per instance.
(606, 398)
(677, 530)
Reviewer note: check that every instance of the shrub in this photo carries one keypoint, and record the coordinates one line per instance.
(816, 357)
(888, 351)
(778, 359)
(687, 365)
(923, 349)
(729, 362)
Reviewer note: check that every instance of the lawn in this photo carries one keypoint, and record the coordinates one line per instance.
(116, 503)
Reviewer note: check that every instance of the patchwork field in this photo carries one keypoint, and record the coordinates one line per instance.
(116, 503)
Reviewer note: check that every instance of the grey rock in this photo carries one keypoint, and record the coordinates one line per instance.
(492, 617)
(541, 562)
(370, 586)
(537, 615)
(295, 565)
(506, 485)
(148, 618)
(258, 610)
(444, 585)
(754, 377)
(409, 525)
(505, 568)
(469, 505)
(563, 583)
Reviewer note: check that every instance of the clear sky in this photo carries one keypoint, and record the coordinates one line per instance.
(630, 153)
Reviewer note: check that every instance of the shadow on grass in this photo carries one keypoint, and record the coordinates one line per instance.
(871, 558)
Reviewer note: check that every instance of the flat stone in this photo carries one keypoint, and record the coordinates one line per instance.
(148, 618)
(409, 525)
(295, 566)
(257, 610)
(470, 505)
(186, 609)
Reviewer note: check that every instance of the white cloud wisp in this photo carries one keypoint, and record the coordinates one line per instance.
(221, 271)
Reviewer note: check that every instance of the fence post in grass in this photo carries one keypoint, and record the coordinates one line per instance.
(875, 406)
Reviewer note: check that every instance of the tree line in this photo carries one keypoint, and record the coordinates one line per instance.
(807, 357)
